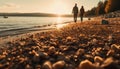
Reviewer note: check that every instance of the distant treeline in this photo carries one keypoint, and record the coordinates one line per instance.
(104, 7)
(34, 14)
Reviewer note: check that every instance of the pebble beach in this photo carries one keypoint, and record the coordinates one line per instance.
(81, 45)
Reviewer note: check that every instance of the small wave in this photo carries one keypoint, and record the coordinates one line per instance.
(3, 27)
(18, 31)
(14, 29)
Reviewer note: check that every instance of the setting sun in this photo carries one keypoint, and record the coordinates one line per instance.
(44, 6)
(59, 7)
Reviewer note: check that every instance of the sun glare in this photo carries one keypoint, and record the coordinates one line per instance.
(59, 20)
(60, 26)
(59, 23)
(59, 7)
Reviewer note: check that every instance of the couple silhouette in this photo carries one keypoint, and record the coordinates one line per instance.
(75, 12)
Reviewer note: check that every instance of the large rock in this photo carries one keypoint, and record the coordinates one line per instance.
(59, 65)
(86, 64)
(47, 65)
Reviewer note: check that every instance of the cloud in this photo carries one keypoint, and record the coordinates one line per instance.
(9, 7)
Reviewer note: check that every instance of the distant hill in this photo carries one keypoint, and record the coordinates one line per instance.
(34, 14)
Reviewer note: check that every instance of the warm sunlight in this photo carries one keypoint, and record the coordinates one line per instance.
(60, 26)
(59, 7)
(59, 21)
(59, 34)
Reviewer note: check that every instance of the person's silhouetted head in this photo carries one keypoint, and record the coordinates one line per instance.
(82, 6)
(75, 4)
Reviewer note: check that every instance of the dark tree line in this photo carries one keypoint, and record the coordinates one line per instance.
(112, 5)
(104, 7)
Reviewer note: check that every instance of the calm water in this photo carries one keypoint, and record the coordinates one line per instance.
(27, 22)
(16, 25)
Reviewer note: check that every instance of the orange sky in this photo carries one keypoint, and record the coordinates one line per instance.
(44, 6)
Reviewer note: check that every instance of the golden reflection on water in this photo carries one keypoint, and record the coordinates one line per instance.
(59, 22)
(60, 26)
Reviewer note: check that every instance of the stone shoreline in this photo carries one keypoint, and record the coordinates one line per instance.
(86, 45)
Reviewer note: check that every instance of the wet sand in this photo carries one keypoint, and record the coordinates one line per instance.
(86, 45)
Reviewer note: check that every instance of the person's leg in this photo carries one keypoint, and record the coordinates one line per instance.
(81, 18)
(75, 17)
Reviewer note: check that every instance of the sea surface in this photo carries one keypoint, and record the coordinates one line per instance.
(19, 25)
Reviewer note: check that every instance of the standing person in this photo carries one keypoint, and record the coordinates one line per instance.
(75, 12)
(82, 11)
